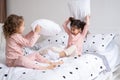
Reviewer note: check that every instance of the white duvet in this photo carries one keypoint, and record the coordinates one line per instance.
(86, 67)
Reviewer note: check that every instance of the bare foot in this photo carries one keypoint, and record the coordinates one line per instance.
(51, 66)
(58, 63)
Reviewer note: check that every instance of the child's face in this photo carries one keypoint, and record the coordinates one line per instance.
(75, 31)
(21, 29)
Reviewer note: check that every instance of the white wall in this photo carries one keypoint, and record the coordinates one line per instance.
(104, 13)
(55, 10)
(105, 16)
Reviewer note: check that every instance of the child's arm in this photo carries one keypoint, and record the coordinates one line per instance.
(30, 34)
(29, 40)
(87, 18)
(66, 27)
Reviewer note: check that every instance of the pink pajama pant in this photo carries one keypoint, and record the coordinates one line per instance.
(28, 61)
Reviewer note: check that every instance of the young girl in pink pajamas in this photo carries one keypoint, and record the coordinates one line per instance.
(15, 41)
(77, 32)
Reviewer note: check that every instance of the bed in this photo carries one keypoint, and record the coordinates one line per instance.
(98, 63)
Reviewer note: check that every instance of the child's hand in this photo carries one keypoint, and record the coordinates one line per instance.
(37, 29)
(51, 66)
(87, 20)
(66, 22)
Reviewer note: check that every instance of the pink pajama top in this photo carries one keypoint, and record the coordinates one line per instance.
(15, 44)
(76, 40)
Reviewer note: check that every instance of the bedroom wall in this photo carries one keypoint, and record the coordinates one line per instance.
(104, 13)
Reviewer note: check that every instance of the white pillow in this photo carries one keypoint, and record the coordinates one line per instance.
(59, 40)
(79, 8)
(92, 43)
(49, 28)
(97, 42)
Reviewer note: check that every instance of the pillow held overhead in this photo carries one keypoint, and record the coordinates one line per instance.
(79, 8)
(48, 27)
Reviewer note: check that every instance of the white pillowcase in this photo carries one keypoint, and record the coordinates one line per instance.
(79, 8)
(49, 28)
(97, 42)
(92, 43)
(59, 40)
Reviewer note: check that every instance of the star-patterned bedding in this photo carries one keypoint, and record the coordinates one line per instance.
(86, 67)
(93, 65)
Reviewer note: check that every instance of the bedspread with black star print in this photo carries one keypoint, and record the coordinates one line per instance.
(85, 67)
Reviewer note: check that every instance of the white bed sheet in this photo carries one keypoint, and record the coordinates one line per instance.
(21, 73)
(113, 75)
(72, 69)
(112, 53)
(29, 74)
(113, 57)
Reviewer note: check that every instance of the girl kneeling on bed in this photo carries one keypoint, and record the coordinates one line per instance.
(15, 41)
(76, 33)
